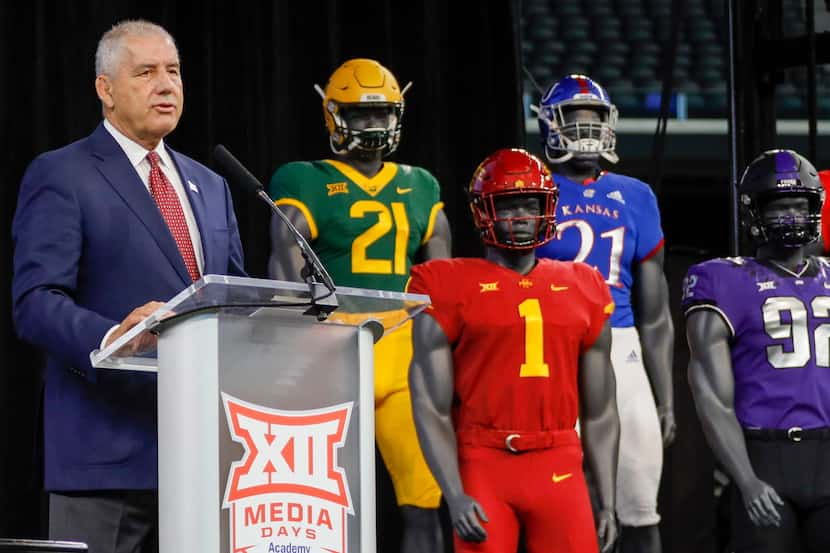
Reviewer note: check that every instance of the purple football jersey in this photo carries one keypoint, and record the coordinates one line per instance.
(780, 344)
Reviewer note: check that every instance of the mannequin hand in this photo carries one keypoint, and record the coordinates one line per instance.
(668, 428)
(466, 515)
(606, 530)
(760, 499)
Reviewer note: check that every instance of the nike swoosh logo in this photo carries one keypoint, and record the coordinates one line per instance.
(559, 477)
(403, 190)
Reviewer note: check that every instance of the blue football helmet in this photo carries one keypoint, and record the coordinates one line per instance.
(562, 139)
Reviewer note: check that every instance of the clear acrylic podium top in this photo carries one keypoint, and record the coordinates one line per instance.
(247, 296)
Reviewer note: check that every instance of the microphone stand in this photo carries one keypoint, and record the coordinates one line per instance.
(320, 284)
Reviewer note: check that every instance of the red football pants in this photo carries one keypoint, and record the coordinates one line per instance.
(542, 490)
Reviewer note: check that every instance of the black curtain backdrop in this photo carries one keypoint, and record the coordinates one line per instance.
(248, 70)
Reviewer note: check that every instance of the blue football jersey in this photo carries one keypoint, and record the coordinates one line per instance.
(610, 223)
(780, 337)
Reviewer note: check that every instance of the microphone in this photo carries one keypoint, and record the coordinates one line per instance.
(314, 273)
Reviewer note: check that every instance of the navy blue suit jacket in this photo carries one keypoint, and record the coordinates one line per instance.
(91, 246)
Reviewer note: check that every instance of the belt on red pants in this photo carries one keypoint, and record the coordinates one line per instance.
(516, 441)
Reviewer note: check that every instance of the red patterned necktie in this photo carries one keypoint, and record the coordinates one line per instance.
(171, 209)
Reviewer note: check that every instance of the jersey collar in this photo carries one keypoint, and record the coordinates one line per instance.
(588, 182)
(371, 186)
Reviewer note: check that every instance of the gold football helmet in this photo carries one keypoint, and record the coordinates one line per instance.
(363, 85)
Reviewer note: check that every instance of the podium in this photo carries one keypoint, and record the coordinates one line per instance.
(266, 414)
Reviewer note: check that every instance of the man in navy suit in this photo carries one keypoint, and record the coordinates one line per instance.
(106, 229)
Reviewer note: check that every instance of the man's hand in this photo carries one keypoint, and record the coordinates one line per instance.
(466, 514)
(606, 530)
(668, 428)
(760, 499)
(147, 341)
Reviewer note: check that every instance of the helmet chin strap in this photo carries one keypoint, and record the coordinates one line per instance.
(791, 239)
(356, 143)
(334, 148)
(567, 156)
(610, 157)
(353, 144)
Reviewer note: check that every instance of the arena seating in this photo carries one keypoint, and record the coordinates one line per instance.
(620, 43)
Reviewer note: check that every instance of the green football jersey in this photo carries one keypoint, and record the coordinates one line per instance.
(366, 231)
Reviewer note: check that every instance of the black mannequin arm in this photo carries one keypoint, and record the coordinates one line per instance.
(713, 387)
(285, 261)
(439, 245)
(431, 385)
(600, 429)
(650, 300)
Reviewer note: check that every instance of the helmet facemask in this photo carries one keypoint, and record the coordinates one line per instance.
(786, 230)
(568, 137)
(377, 136)
(500, 231)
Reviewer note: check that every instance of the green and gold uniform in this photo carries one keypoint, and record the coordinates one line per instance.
(366, 231)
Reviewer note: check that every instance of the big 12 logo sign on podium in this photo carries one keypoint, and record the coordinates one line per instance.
(287, 494)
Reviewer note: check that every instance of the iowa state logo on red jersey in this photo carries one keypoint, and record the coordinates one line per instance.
(287, 492)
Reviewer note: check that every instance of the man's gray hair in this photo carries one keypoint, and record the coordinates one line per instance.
(110, 47)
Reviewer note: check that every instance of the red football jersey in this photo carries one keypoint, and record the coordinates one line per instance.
(516, 339)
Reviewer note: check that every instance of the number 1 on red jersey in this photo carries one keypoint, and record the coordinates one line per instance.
(534, 364)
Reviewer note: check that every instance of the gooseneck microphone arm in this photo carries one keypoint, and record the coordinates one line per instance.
(314, 273)
(313, 266)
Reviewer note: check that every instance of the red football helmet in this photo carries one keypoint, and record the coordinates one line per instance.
(511, 172)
